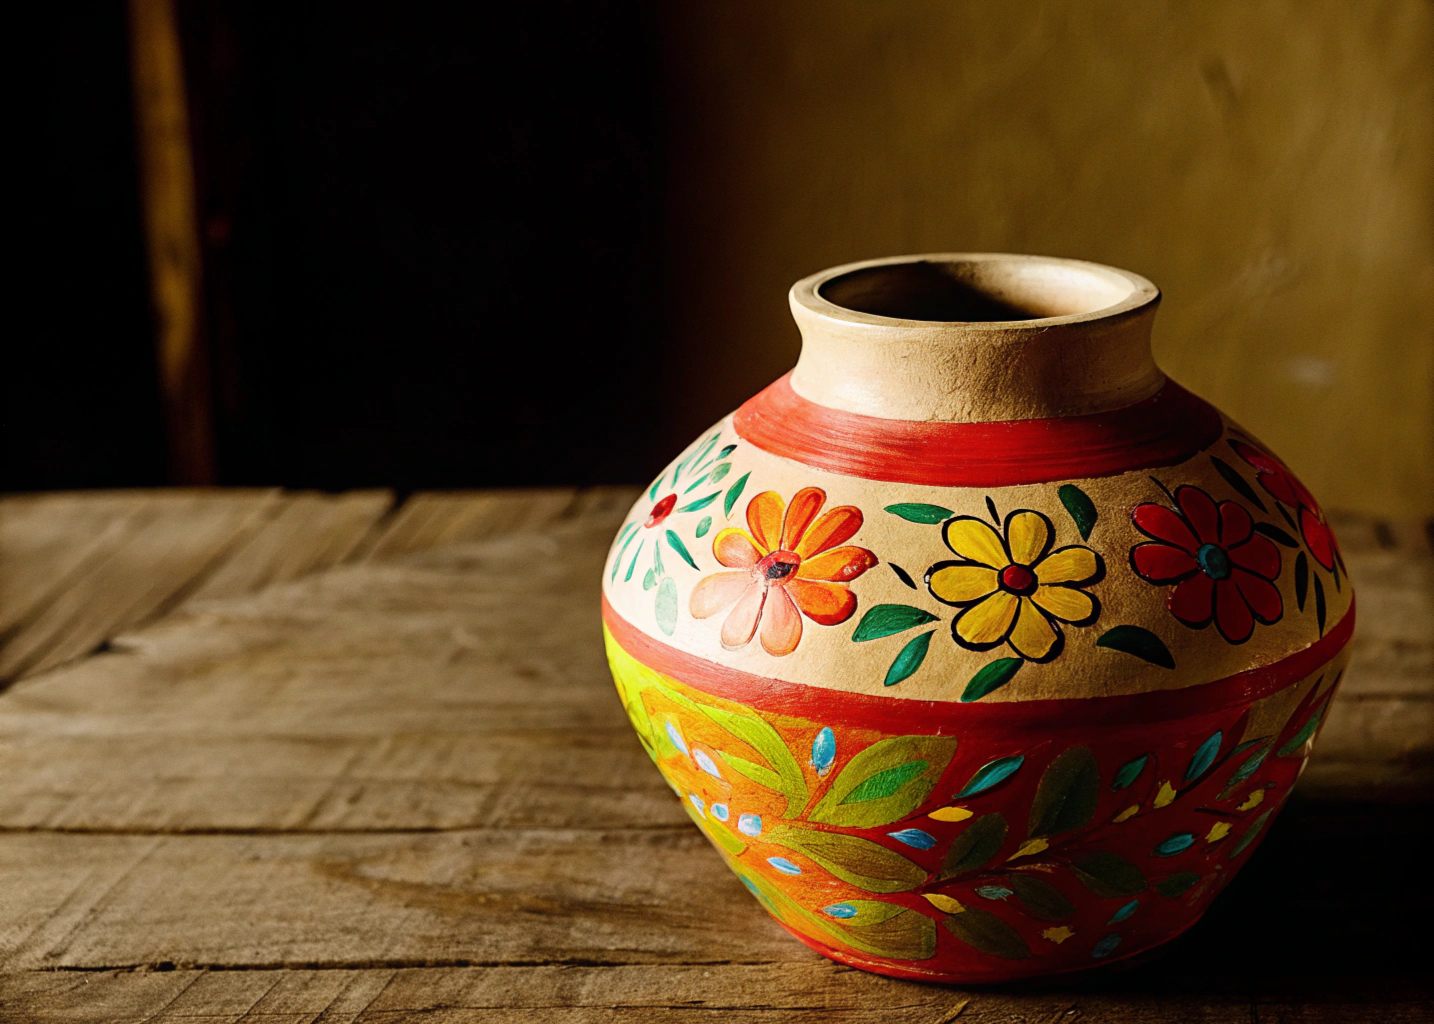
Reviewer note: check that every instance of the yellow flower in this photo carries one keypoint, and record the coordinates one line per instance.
(1013, 588)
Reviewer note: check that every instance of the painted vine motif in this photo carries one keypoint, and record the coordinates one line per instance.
(872, 842)
(703, 470)
(792, 562)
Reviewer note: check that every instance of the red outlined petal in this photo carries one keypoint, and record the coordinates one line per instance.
(1271, 472)
(741, 622)
(764, 518)
(1235, 524)
(1161, 563)
(1232, 614)
(1200, 510)
(826, 604)
(735, 549)
(1193, 602)
(715, 592)
(1257, 555)
(1318, 538)
(836, 526)
(805, 505)
(1162, 523)
(781, 623)
(840, 565)
(1261, 595)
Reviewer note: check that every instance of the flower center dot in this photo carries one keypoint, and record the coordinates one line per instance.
(1018, 579)
(1213, 561)
(778, 565)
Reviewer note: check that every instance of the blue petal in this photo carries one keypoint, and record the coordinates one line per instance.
(1105, 946)
(840, 910)
(705, 763)
(676, 738)
(719, 811)
(1175, 844)
(1123, 912)
(697, 803)
(750, 824)
(824, 751)
(993, 892)
(914, 837)
(783, 865)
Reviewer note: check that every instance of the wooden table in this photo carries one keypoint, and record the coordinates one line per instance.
(297, 757)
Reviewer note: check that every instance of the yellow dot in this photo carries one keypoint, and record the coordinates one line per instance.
(949, 814)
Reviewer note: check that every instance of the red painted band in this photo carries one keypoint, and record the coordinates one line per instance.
(1162, 430)
(895, 714)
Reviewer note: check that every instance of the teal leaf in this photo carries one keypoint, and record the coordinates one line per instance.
(649, 580)
(617, 562)
(726, 451)
(1137, 641)
(993, 892)
(704, 525)
(1105, 946)
(1129, 772)
(1251, 765)
(1276, 534)
(909, 660)
(680, 548)
(915, 838)
(652, 491)
(1178, 843)
(718, 472)
(1236, 481)
(915, 512)
(1307, 730)
(1204, 757)
(700, 503)
(887, 619)
(733, 493)
(666, 606)
(696, 483)
(1124, 912)
(657, 567)
(991, 775)
(633, 564)
(1081, 509)
(992, 677)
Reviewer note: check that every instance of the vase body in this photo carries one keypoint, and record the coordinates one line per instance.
(978, 648)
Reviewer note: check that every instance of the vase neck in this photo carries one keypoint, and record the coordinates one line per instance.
(970, 338)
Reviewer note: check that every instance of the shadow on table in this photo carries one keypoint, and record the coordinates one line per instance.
(1336, 905)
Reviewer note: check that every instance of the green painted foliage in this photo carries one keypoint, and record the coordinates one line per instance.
(858, 861)
(1067, 794)
(1081, 508)
(991, 775)
(908, 660)
(1129, 772)
(1040, 897)
(981, 841)
(1108, 875)
(984, 931)
(885, 782)
(1139, 642)
(991, 677)
(733, 493)
(915, 512)
(1177, 884)
(888, 619)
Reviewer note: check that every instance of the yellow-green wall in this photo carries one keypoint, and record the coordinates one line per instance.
(1269, 164)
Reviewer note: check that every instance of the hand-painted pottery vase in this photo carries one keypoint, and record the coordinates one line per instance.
(978, 648)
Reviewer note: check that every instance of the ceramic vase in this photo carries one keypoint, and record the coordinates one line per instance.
(977, 647)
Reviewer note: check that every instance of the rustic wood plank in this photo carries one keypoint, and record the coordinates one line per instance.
(164, 547)
(311, 532)
(432, 519)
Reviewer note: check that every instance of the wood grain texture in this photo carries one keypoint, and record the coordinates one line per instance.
(402, 790)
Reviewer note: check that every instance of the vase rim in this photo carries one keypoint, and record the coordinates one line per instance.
(1045, 291)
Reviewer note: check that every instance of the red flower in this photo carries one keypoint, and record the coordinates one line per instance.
(1275, 477)
(1221, 568)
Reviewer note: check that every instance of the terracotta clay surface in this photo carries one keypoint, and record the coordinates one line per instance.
(979, 648)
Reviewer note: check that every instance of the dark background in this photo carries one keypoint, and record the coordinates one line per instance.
(428, 234)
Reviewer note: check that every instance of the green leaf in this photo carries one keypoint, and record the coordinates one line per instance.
(1276, 534)
(1306, 731)
(1177, 884)
(858, 861)
(1129, 772)
(616, 562)
(733, 493)
(1251, 834)
(915, 512)
(657, 568)
(987, 933)
(652, 491)
(1249, 767)
(1081, 509)
(909, 660)
(1108, 875)
(885, 782)
(665, 606)
(991, 774)
(1302, 579)
(759, 774)
(1040, 897)
(633, 564)
(1236, 481)
(886, 619)
(981, 841)
(991, 677)
(718, 472)
(649, 580)
(1137, 641)
(680, 548)
(703, 525)
(1204, 757)
(1067, 794)
(701, 503)
(761, 737)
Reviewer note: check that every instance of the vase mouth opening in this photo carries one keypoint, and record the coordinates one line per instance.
(990, 289)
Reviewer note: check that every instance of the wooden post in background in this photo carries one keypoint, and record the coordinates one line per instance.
(172, 231)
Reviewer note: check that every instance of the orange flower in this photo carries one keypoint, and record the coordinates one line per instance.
(789, 561)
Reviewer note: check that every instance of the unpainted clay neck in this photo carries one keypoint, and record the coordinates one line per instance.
(975, 337)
